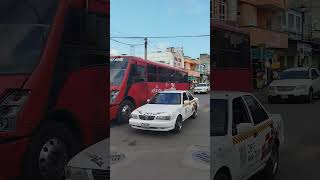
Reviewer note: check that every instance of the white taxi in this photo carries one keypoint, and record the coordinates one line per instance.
(202, 88)
(92, 163)
(245, 138)
(165, 111)
(302, 82)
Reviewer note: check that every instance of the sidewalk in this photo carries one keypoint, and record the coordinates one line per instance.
(261, 95)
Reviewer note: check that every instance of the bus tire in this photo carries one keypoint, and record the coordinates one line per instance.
(49, 151)
(125, 109)
(178, 124)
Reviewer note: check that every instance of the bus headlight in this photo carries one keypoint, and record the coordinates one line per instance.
(113, 95)
(10, 108)
(76, 173)
(163, 118)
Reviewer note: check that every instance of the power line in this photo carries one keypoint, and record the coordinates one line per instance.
(126, 43)
(159, 37)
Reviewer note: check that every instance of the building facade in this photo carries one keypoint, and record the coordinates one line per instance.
(192, 67)
(204, 67)
(171, 56)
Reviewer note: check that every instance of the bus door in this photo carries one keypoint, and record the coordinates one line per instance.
(137, 83)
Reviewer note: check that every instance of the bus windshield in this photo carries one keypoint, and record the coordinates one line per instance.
(294, 75)
(24, 28)
(219, 117)
(118, 67)
(166, 98)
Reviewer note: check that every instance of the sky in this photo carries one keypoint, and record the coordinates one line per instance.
(160, 18)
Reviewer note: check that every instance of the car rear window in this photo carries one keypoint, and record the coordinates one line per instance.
(219, 117)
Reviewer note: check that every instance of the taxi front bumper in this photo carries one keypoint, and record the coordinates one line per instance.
(152, 125)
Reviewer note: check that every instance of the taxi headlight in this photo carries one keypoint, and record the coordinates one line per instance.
(76, 173)
(163, 117)
(300, 87)
(134, 116)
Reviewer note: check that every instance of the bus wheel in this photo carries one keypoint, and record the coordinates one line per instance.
(125, 109)
(49, 152)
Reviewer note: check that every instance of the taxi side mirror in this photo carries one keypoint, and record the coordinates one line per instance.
(186, 102)
(244, 127)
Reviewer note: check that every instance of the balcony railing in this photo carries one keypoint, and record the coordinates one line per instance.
(272, 39)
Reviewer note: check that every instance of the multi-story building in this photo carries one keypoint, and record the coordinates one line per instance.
(204, 67)
(192, 67)
(269, 43)
(171, 56)
(224, 10)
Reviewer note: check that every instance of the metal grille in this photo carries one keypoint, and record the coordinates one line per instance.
(285, 88)
(101, 174)
(144, 117)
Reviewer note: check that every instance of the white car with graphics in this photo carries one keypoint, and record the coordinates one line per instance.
(245, 138)
(300, 82)
(165, 111)
(202, 88)
(90, 164)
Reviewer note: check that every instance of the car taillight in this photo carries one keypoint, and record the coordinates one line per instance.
(10, 108)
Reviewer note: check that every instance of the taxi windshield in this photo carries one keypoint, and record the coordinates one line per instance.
(166, 98)
(219, 117)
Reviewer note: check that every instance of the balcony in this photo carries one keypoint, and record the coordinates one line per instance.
(272, 39)
(268, 4)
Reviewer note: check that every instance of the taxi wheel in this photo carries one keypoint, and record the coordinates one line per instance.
(221, 176)
(125, 109)
(195, 112)
(272, 166)
(178, 125)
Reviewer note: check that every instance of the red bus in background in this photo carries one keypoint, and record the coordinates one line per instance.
(231, 67)
(134, 80)
(53, 64)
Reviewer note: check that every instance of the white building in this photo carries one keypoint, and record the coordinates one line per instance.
(172, 56)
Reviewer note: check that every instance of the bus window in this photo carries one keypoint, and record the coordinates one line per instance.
(137, 73)
(163, 74)
(152, 73)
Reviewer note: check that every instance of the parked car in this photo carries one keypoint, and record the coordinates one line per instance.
(245, 138)
(202, 88)
(165, 111)
(302, 83)
(90, 164)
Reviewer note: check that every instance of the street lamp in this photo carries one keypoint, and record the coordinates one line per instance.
(303, 10)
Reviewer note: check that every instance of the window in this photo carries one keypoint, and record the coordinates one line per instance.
(219, 117)
(240, 113)
(291, 21)
(137, 73)
(284, 18)
(185, 97)
(298, 24)
(190, 96)
(152, 73)
(163, 74)
(269, 23)
(222, 10)
(257, 112)
(24, 29)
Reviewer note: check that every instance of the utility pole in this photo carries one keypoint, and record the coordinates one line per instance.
(145, 48)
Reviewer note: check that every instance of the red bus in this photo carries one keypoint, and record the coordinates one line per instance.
(133, 80)
(231, 59)
(52, 84)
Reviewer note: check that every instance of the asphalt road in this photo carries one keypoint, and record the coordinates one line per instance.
(300, 154)
(146, 155)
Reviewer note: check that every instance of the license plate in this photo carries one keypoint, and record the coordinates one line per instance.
(145, 125)
(284, 97)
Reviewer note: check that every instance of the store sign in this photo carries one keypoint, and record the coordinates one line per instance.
(266, 53)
